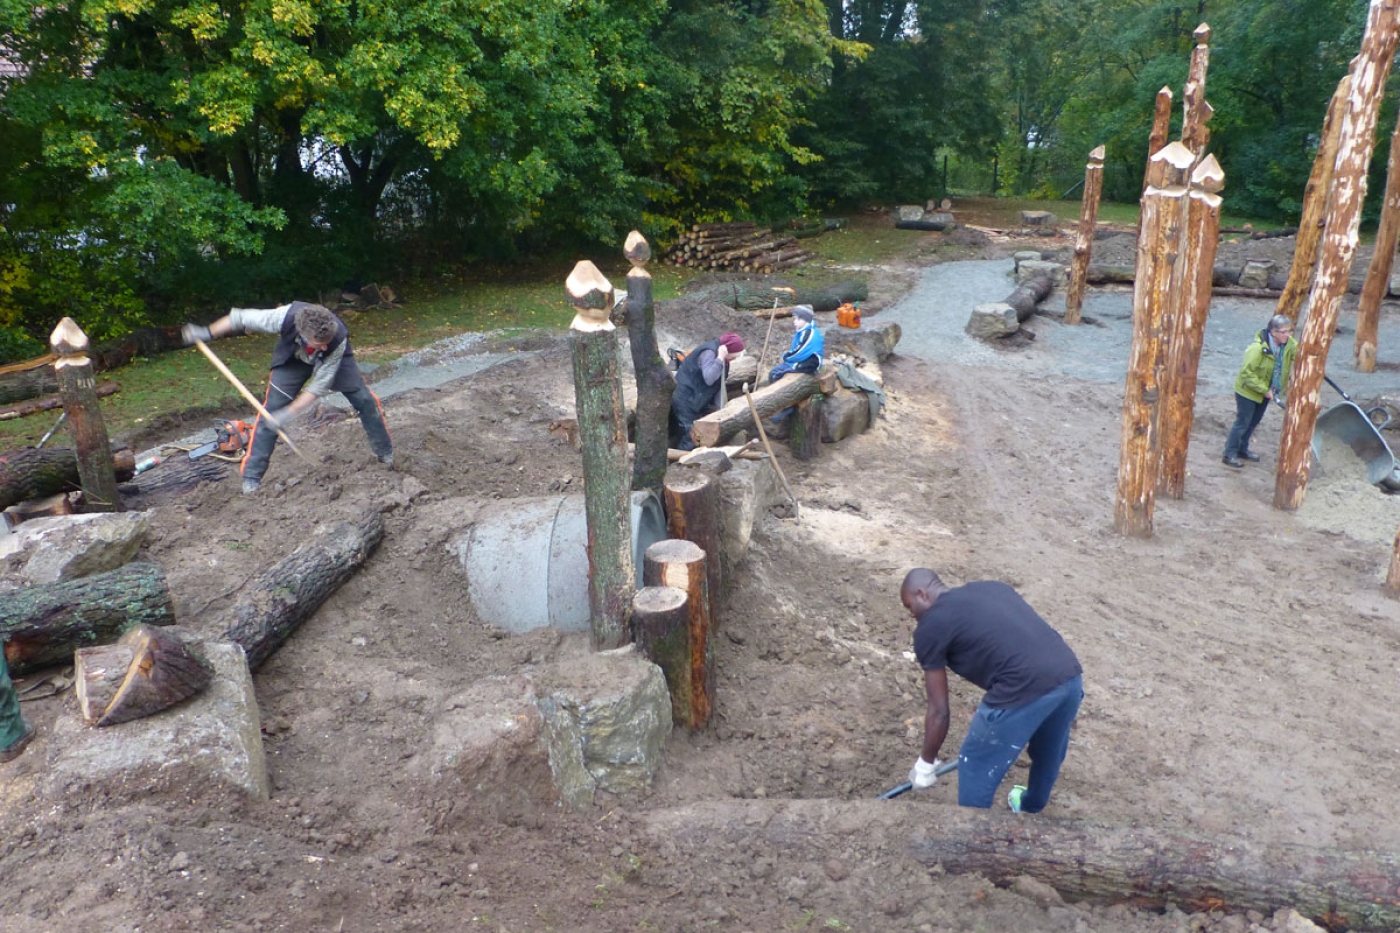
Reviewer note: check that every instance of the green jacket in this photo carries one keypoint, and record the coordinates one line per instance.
(1258, 369)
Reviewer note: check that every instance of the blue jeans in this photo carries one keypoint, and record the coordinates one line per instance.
(1248, 414)
(997, 737)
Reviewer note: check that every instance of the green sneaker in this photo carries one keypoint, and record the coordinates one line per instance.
(1013, 799)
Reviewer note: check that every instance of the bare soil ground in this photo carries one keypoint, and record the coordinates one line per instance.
(1238, 666)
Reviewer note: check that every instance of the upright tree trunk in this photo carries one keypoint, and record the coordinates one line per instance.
(692, 514)
(1084, 240)
(1196, 112)
(79, 390)
(681, 564)
(1316, 196)
(1378, 276)
(1338, 249)
(1163, 212)
(655, 384)
(602, 430)
(1160, 133)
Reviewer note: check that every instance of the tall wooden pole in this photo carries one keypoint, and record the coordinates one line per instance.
(1201, 237)
(1315, 199)
(1163, 212)
(1378, 276)
(1354, 147)
(78, 388)
(602, 432)
(1196, 112)
(1161, 130)
(1084, 240)
(655, 384)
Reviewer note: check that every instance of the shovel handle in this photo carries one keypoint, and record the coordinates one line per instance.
(906, 787)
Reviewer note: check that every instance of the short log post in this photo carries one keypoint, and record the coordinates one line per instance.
(681, 565)
(1368, 312)
(602, 432)
(692, 514)
(1315, 194)
(1159, 240)
(661, 630)
(78, 388)
(1338, 250)
(1084, 240)
(655, 384)
(161, 670)
(805, 436)
(1196, 111)
(1202, 236)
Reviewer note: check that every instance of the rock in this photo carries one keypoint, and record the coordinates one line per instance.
(745, 493)
(68, 547)
(1290, 921)
(993, 320)
(1255, 273)
(1038, 891)
(1394, 289)
(1058, 272)
(844, 413)
(1038, 219)
(908, 212)
(180, 862)
(1027, 255)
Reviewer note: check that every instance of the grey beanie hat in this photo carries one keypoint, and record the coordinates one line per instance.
(802, 312)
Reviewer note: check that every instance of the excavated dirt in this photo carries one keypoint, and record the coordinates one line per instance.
(1238, 667)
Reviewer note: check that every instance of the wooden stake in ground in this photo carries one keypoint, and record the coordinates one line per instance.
(1368, 312)
(1159, 240)
(148, 670)
(602, 431)
(763, 436)
(1338, 249)
(681, 564)
(1316, 196)
(248, 396)
(655, 384)
(79, 391)
(692, 514)
(1084, 240)
(1161, 131)
(1201, 237)
(805, 436)
(1196, 112)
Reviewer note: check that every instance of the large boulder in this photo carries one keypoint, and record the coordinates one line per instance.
(844, 413)
(1255, 273)
(66, 547)
(1029, 269)
(993, 320)
(745, 494)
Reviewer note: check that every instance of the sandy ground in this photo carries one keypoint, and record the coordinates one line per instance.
(1238, 668)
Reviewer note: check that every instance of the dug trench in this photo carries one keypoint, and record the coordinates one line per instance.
(1236, 665)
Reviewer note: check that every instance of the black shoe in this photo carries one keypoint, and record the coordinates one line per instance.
(1246, 455)
(1232, 461)
(14, 750)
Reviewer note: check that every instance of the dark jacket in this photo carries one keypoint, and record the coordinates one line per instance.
(287, 344)
(693, 397)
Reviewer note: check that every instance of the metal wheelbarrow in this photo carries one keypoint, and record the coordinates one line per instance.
(1346, 431)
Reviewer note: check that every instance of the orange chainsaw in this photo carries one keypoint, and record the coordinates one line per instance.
(230, 437)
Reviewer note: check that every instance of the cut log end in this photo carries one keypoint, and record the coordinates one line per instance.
(149, 670)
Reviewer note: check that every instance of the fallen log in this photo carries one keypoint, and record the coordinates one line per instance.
(1031, 293)
(34, 378)
(178, 473)
(1080, 860)
(148, 670)
(873, 342)
(721, 425)
(824, 299)
(33, 473)
(50, 402)
(937, 226)
(272, 607)
(44, 625)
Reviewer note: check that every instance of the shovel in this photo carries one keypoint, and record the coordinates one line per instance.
(904, 788)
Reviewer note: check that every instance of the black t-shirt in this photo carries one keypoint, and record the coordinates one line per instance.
(987, 634)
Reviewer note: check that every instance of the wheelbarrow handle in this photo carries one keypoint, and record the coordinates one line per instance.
(1339, 389)
(906, 787)
(1378, 416)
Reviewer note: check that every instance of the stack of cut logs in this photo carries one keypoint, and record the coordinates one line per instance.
(742, 246)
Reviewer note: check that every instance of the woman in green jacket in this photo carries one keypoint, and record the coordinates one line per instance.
(1263, 378)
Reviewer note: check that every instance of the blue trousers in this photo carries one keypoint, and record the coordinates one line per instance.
(283, 384)
(1248, 414)
(12, 725)
(997, 737)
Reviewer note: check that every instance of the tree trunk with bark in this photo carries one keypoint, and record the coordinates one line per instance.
(655, 384)
(1368, 312)
(50, 402)
(34, 472)
(748, 298)
(160, 670)
(692, 514)
(1028, 296)
(76, 385)
(716, 427)
(1161, 131)
(1338, 250)
(42, 625)
(682, 565)
(805, 436)
(33, 378)
(1084, 238)
(272, 607)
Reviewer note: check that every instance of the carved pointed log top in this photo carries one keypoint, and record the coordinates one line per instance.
(68, 338)
(1170, 166)
(1097, 154)
(1166, 92)
(636, 249)
(591, 294)
(1202, 34)
(1209, 175)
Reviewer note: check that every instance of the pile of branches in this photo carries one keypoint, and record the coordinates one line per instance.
(742, 246)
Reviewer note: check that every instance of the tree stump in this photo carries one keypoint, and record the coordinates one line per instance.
(655, 384)
(44, 625)
(805, 438)
(691, 498)
(681, 564)
(160, 671)
(661, 629)
(76, 385)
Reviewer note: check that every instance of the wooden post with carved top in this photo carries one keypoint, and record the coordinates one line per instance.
(655, 384)
(1084, 240)
(78, 388)
(1368, 312)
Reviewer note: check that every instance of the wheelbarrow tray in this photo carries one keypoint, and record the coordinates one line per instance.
(1344, 431)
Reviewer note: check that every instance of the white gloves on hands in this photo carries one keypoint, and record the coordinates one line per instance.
(192, 332)
(923, 774)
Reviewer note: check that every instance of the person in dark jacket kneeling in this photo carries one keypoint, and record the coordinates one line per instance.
(700, 384)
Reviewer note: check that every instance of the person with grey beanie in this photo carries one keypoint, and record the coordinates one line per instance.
(804, 355)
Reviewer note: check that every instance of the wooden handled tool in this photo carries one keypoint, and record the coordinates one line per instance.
(243, 390)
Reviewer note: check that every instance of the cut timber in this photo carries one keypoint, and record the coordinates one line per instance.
(681, 564)
(34, 473)
(1084, 236)
(721, 425)
(661, 629)
(692, 514)
(77, 387)
(272, 607)
(179, 473)
(805, 436)
(161, 671)
(873, 342)
(1030, 294)
(50, 402)
(43, 625)
(826, 299)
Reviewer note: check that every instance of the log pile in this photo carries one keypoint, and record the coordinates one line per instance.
(742, 246)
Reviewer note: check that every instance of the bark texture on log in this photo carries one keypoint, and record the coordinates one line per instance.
(655, 384)
(76, 385)
(34, 472)
(50, 402)
(179, 473)
(44, 625)
(692, 514)
(1084, 237)
(805, 436)
(33, 378)
(721, 425)
(1028, 295)
(873, 341)
(1338, 250)
(163, 670)
(1368, 312)
(682, 564)
(272, 607)
(823, 299)
(661, 629)
(1315, 197)
(1163, 212)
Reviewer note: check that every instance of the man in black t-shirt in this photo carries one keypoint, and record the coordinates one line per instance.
(987, 634)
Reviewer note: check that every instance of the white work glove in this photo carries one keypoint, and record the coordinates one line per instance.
(277, 420)
(192, 332)
(923, 774)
